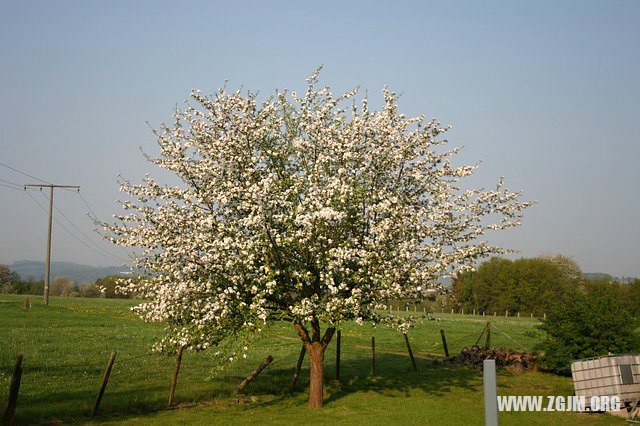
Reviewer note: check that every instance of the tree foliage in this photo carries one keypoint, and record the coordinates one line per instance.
(523, 285)
(311, 209)
(9, 280)
(63, 286)
(632, 297)
(592, 321)
(108, 287)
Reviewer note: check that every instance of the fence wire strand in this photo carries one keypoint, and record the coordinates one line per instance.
(141, 381)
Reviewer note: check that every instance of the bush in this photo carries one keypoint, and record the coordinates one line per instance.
(592, 322)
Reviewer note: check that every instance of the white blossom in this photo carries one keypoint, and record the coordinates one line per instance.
(299, 208)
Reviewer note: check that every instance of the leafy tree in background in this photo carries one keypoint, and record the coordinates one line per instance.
(566, 264)
(532, 285)
(108, 287)
(591, 322)
(63, 286)
(523, 285)
(8, 280)
(479, 289)
(90, 290)
(309, 209)
(632, 297)
(36, 288)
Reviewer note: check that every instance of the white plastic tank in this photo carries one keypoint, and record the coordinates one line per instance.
(613, 375)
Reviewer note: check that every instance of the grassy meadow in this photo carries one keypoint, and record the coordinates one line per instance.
(67, 344)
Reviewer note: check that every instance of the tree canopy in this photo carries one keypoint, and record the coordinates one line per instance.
(528, 285)
(311, 209)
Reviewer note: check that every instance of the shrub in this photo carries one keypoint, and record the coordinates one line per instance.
(592, 322)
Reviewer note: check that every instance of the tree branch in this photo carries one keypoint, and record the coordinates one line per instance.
(302, 332)
(315, 329)
(328, 335)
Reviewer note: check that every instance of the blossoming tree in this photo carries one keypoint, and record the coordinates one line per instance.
(309, 209)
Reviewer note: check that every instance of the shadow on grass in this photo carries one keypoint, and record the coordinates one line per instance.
(394, 378)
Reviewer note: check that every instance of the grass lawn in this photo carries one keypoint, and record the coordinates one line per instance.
(67, 344)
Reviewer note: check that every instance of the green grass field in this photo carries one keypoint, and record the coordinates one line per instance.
(67, 344)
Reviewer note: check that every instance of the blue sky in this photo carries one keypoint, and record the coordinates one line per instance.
(544, 93)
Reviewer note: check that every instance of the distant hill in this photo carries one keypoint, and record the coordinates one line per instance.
(31, 269)
(601, 276)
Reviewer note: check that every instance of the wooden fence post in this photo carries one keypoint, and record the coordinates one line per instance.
(174, 380)
(103, 386)
(338, 355)
(487, 343)
(373, 355)
(444, 343)
(413, 360)
(10, 412)
(298, 367)
(255, 373)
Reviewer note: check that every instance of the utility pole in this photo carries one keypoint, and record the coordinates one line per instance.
(46, 273)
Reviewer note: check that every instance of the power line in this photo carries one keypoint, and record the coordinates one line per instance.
(23, 173)
(107, 254)
(67, 230)
(11, 187)
(39, 205)
(85, 235)
(68, 188)
(12, 183)
(48, 261)
(95, 217)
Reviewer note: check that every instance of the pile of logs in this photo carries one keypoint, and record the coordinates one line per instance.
(513, 360)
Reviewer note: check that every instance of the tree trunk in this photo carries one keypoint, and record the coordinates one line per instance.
(316, 346)
(316, 356)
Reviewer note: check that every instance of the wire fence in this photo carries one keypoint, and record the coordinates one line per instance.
(62, 390)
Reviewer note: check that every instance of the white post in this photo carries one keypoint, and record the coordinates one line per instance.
(490, 392)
